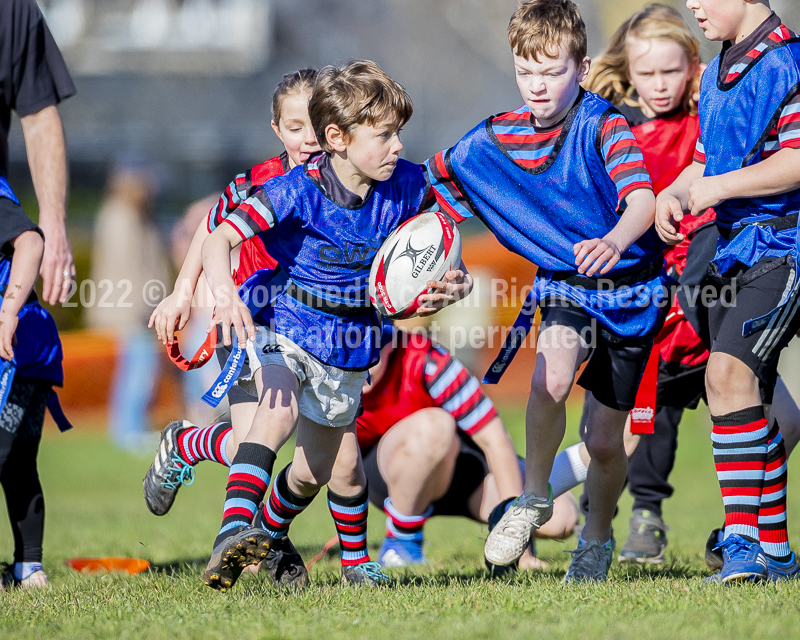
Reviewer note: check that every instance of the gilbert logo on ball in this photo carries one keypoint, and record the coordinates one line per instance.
(421, 249)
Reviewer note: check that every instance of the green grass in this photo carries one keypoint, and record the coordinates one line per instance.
(95, 508)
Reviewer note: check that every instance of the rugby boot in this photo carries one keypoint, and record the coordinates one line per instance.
(168, 472)
(285, 565)
(366, 574)
(590, 561)
(779, 571)
(247, 546)
(509, 537)
(647, 539)
(397, 552)
(744, 561)
(713, 555)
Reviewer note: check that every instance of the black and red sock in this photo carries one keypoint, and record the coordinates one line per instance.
(248, 480)
(772, 530)
(283, 506)
(205, 443)
(350, 517)
(740, 457)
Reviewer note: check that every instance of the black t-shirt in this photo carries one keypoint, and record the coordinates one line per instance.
(13, 223)
(33, 74)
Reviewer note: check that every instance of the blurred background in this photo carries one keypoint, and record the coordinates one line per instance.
(173, 101)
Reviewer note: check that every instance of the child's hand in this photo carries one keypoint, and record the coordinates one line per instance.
(8, 326)
(232, 312)
(590, 255)
(705, 193)
(668, 212)
(455, 286)
(171, 315)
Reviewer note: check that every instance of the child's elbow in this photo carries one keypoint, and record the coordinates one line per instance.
(29, 243)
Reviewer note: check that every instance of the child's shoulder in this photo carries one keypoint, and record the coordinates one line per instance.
(268, 169)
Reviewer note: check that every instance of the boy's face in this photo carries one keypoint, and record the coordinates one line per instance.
(374, 150)
(719, 19)
(550, 86)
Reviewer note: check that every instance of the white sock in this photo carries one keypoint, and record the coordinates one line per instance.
(23, 569)
(568, 471)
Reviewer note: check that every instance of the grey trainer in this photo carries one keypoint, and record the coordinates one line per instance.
(647, 539)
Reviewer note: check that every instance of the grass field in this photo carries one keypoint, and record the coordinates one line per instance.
(95, 508)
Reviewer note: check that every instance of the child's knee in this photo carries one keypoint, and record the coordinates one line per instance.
(727, 375)
(550, 385)
(432, 433)
(604, 448)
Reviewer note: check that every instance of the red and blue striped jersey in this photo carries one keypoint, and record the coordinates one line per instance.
(421, 375)
(531, 146)
(736, 59)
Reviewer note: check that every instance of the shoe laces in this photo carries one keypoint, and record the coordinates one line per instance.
(178, 472)
(588, 557)
(276, 558)
(372, 570)
(732, 545)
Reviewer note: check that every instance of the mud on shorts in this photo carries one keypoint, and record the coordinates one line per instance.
(327, 395)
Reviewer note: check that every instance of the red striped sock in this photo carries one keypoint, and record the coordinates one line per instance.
(740, 457)
(206, 443)
(350, 518)
(772, 513)
(283, 506)
(248, 480)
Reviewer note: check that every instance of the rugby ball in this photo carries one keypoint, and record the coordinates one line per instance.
(423, 248)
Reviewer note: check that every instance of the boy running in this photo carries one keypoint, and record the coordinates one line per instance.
(747, 167)
(324, 223)
(562, 182)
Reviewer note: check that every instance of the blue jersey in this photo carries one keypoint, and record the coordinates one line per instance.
(38, 350)
(542, 212)
(735, 118)
(327, 251)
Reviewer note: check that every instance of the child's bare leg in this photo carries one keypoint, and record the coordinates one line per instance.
(560, 352)
(606, 475)
(417, 457)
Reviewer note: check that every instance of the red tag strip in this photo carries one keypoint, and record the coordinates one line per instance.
(643, 414)
(202, 356)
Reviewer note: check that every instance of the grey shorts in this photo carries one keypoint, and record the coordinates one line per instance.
(328, 395)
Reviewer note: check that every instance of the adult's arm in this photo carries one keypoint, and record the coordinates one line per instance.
(47, 158)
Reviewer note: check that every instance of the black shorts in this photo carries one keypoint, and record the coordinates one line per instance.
(615, 366)
(236, 395)
(470, 472)
(745, 293)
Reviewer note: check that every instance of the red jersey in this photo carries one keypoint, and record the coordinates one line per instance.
(419, 375)
(253, 254)
(668, 145)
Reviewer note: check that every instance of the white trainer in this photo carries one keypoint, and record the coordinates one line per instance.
(509, 538)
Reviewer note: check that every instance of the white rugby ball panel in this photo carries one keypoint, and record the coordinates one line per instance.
(423, 248)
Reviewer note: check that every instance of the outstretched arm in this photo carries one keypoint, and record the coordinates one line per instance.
(174, 311)
(229, 310)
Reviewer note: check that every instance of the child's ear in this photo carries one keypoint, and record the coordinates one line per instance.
(583, 68)
(335, 138)
(276, 129)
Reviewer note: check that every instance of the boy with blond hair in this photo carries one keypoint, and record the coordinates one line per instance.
(323, 222)
(747, 167)
(562, 182)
